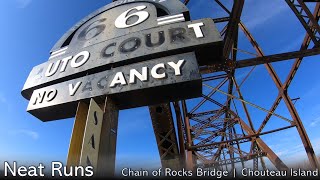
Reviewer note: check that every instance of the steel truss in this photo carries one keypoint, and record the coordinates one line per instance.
(214, 138)
(211, 139)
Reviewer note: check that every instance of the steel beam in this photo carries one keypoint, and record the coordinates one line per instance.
(190, 161)
(247, 138)
(294, 114)
(265, 148)
(229, 161)
(294, 69)
(232, 28)
(277, 57)
(209, 95)
(76, 141)
(108, 141)
(311, 25)
(165, 134)
(180, 132)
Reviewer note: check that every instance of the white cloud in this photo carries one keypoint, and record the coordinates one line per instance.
(315, 122)
(294, 45)
(23, 132)
(23, 3)
(292, 153)
(259, 12)
(281, 153)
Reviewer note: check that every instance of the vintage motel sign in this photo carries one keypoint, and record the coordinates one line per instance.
(137, 52)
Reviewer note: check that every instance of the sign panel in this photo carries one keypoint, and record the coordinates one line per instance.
(199, 36)
(136, 52)
(145, 83)
(92, 134)
(164, 7)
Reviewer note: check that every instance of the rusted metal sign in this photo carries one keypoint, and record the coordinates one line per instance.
(137, 52)
(150, 82)
(124, 50)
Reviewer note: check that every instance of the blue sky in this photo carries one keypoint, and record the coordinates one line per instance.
(31, 27)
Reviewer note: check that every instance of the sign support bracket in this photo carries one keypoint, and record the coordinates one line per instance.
(94, 137)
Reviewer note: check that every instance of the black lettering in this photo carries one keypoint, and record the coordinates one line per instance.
(87, 87)
(106, 53)
(95, 118)
(130, 45)
(178, 34)
(102, 83)
(53, 68)
(161, 39)
(91, 32)
(92, 142)
(51, 95)
(40, 97)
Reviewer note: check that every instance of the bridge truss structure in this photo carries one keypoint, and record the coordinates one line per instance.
(224, 136)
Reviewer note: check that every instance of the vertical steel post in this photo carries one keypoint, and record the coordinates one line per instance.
(180, 132)
(94, 136)
(108, 140)
(189, 161)
(164, 130)
(76, 140)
